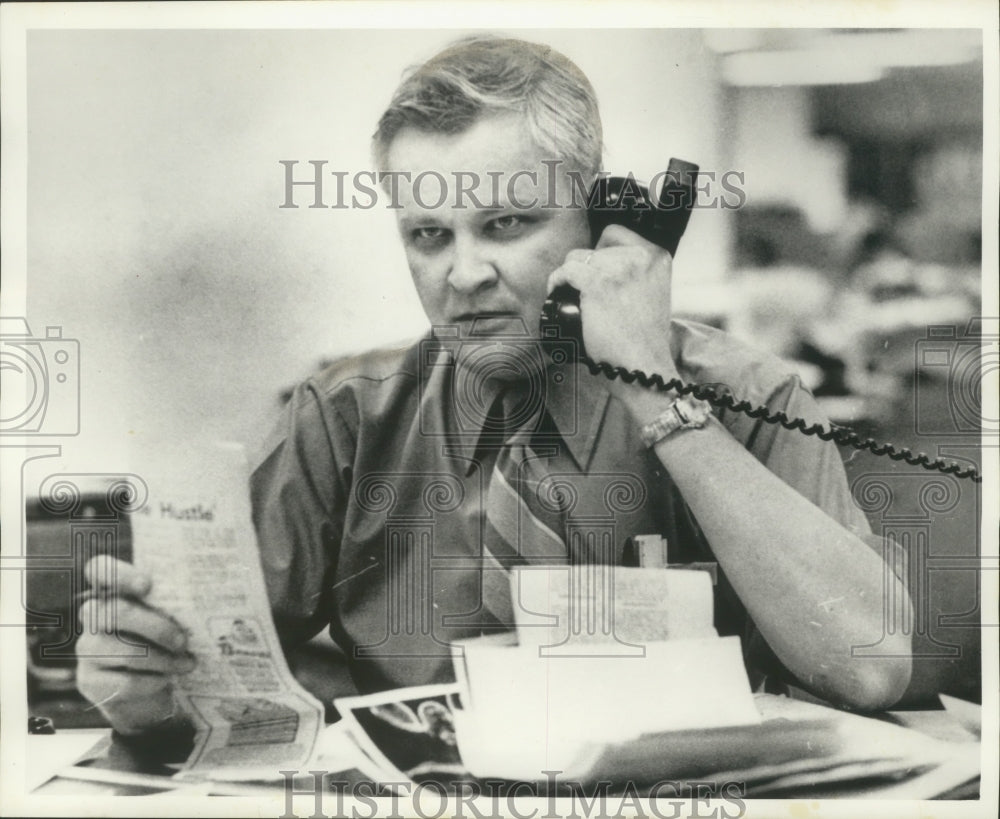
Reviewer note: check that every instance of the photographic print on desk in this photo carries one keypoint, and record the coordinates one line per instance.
(410, 731)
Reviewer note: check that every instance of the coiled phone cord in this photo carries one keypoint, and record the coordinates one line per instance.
(838, 434)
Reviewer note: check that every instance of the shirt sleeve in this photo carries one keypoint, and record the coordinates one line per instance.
(298, 492)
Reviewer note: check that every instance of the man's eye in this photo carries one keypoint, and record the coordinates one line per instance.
(429, 234)
(507, 223)
(430, 238)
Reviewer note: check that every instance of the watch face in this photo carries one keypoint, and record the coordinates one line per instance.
(684, 413)
(694, 412)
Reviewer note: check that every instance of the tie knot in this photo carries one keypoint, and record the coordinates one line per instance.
(516, 413)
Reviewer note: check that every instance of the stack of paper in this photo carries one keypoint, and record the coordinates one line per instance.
(602, 654)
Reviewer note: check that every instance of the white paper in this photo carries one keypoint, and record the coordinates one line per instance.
(609, 610)
(526, 714)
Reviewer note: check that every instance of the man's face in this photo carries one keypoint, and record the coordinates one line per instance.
(491, 261)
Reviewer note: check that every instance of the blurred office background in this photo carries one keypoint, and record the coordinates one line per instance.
(156, 240)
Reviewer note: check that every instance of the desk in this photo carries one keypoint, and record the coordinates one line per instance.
(111, 771)
(107, 768)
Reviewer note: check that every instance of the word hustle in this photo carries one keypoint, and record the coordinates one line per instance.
(170, 511)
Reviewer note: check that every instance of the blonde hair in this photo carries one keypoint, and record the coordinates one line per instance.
(484, 74)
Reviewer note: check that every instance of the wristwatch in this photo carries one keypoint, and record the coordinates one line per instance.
(684, 413)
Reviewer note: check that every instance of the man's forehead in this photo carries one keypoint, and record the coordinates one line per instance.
(492, 142)
(495, 160)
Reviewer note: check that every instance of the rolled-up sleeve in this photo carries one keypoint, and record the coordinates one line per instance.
(810, 465)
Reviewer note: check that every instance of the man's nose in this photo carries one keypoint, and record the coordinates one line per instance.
(471, 268)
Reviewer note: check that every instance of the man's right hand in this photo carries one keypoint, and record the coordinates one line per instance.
(125, 668)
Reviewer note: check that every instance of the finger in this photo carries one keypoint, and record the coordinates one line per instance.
(137, 714)
(619, 236)
(106, 686)
(574, 273)
(106, 652)
(134, 622)
(609, 255)
(580, 256)
(614, 258)
(584, 267)
(107, 575)
(628, 253)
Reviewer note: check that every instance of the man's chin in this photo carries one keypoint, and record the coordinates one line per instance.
(498, 349)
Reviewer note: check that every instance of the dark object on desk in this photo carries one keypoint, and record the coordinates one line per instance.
(40, 725)
(138, 755)
(149, 752)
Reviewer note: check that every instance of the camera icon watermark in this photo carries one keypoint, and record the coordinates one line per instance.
(40, 379)
(964, 364)
(494, 356)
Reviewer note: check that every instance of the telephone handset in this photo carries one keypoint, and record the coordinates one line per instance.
(621, 200)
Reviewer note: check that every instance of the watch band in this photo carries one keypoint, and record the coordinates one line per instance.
(684, 413)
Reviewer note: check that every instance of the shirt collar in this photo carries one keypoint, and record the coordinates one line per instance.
(574, 399)
(577, 406)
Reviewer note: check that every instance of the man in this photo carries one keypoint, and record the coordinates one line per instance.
(376, 501)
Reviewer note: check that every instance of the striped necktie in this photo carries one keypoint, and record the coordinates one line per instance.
(525, 516)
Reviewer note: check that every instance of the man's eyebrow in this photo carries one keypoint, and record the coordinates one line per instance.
(503, 204)
(417, 219)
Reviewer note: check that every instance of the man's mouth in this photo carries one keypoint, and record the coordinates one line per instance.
(493, 323)
(486, 314)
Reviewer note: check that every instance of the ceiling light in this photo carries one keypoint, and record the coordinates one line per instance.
(798, 67)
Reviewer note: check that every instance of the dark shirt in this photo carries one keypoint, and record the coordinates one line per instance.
(368, 501)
